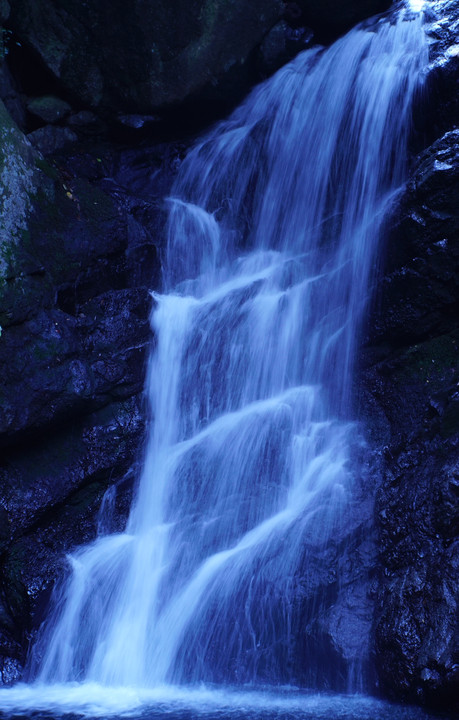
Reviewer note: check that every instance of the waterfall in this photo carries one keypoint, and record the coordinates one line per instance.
(273, 231)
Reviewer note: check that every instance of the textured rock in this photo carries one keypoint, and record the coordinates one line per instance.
(78, 255)
(413, 413)
(18, 182)
(417, 621)
(141, 55)
(58, 368)
(420, 295)
(49, 139)
(410, 400)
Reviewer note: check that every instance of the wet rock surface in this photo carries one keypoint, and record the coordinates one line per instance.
(412, 386)
(420, 293)
(80, 254)
(409, 394)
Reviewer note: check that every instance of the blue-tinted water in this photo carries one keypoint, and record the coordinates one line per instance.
(275, 221)
(173, 703)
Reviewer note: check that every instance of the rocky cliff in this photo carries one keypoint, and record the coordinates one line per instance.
(410, 391)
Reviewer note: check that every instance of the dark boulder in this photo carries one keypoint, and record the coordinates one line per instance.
(50, 139)
(143, 56)
(48, 108)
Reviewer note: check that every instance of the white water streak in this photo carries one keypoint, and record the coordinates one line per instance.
(274, 224)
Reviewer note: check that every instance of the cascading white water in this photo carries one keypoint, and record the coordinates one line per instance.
(274, 224)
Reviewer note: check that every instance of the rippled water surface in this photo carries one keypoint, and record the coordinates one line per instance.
(90, 700)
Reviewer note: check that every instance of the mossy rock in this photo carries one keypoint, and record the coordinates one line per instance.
(430, 361)
(18, 184)
(49, 227)
(21, 182)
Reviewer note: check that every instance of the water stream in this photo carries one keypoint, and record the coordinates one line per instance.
(274, 225)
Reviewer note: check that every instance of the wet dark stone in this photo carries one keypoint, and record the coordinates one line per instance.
(75, 319)
(409, 393)
(420, 296)
(10, 94)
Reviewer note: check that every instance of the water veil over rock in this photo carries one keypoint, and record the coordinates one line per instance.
(273, 231)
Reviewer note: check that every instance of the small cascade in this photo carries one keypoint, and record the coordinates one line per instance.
(274, 225)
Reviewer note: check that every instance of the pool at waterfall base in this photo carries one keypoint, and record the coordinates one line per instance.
(72, 701)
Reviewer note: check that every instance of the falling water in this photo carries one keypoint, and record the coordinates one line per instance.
(273, 230)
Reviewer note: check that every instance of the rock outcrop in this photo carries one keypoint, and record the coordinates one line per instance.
(410, 396)
(140, 57)
(414, 384)
(78, 258)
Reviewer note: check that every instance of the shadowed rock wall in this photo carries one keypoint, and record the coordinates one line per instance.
(140, 56)
(410, 394)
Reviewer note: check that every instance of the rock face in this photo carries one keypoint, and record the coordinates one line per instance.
(410, 398)
(416, 386)
(78, 256)
(140, 56)
(412, 406)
